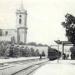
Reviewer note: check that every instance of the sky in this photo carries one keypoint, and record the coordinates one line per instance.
(43, 20)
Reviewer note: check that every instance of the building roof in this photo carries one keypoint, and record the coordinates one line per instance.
(64, 42)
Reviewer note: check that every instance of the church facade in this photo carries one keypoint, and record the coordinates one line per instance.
(20, 33)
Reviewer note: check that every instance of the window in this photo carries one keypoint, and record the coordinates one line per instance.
(20, 21)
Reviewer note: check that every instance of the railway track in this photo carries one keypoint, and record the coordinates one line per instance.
(11, 64)
(29, 70)
(16, 68)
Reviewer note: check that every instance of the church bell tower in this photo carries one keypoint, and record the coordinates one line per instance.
(21, 21)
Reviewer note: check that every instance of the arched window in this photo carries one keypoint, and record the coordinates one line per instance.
(20, 21)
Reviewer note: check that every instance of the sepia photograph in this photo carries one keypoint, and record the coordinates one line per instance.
(37, 37)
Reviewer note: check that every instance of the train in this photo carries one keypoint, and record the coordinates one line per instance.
(53, 54)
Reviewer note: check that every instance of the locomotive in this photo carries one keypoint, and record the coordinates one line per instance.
(53, 53)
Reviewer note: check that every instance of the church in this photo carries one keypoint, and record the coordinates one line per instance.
(18, 36)
(20, 33)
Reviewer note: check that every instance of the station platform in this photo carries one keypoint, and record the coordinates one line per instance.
(61, 67)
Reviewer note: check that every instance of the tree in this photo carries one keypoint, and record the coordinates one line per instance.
(43, 53)
(40, 44)
(3, 48)
(32, 43)
(16, 51)
(7, 52)
(37, 53)
(0, 32)
(28, 52)
(11, 51)
(32, 52)
(12, 40)
(25, 52)
(69, 25)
